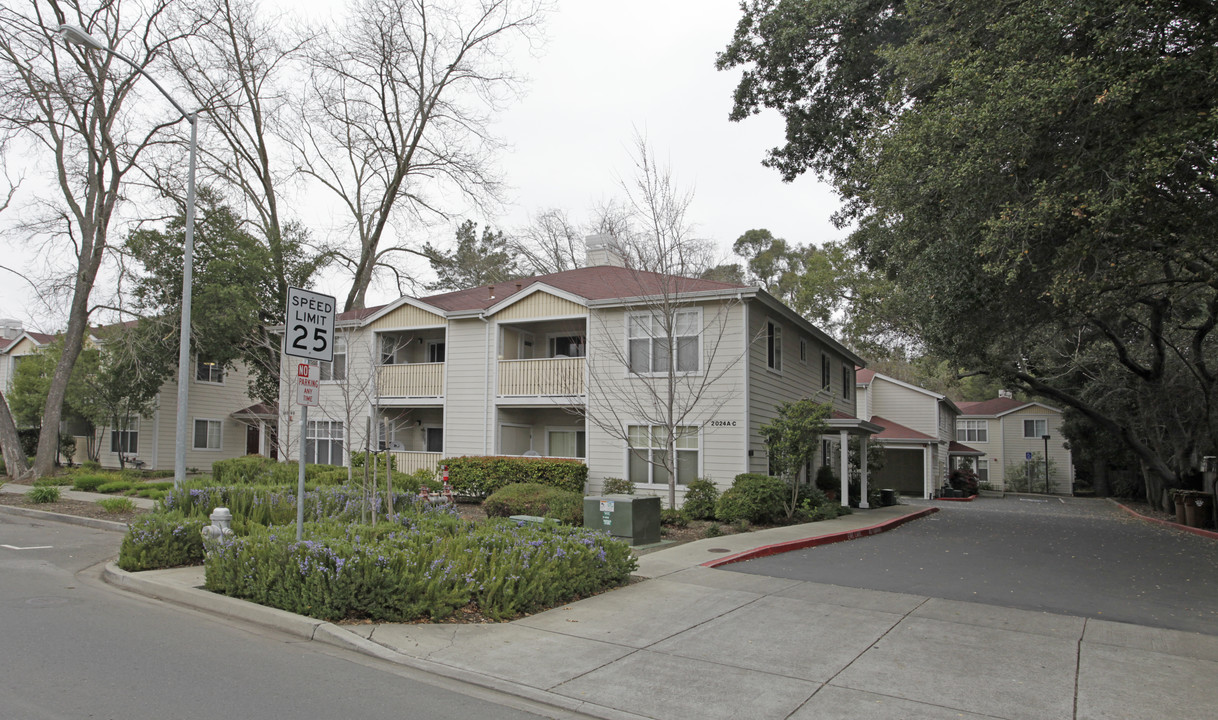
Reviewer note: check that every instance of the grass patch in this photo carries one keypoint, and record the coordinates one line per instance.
(43, 494)
(117, 504)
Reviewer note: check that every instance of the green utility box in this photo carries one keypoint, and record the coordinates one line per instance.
(634, 519)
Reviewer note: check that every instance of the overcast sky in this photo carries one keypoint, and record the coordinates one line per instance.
(603, 71)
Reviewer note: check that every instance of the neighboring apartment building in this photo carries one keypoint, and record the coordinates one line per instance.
(919, 433)
(574, 364)
(1010, 432)
(224, 421)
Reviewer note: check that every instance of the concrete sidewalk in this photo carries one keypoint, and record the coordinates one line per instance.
(696, 642)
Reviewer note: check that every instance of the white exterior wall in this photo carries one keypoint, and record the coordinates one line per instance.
(913, 409)
(469, 377)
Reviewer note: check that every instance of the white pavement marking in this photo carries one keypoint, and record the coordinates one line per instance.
(32, 547)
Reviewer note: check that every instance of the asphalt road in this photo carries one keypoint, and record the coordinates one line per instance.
(73, 647)
(1075, 556)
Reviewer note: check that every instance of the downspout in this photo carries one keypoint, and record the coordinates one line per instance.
(486, 383)
(748, 383)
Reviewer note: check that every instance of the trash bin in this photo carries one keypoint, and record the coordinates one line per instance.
(888, 497)
(1197, 509)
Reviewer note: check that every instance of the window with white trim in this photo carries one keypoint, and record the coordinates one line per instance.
(982, 465)
(337, 370)
(649, 447)
(125, 437)
(207, 434)
(826, 371)
(649, 344)
(972, 431)
(773, 345)
(208, 371)
(803, 350)
(435, 351)
(847, 381)
(1035, 428)
(324, 442)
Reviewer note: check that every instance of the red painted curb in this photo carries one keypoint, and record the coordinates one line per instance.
(970, 498)
(1166, 523)
(788, 546)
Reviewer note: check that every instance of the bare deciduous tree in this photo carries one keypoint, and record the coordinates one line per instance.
(82, 112)
(398, 119)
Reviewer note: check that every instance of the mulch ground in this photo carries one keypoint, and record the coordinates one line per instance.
(64, 506)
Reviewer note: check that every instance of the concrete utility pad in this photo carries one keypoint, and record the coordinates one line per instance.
(639, 615)
(845, 704)
(664, 686)
(981, 670)
(784, 637)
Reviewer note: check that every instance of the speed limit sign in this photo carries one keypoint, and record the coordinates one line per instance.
(309, 330)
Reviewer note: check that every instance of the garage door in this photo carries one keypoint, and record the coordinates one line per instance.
(902, 472)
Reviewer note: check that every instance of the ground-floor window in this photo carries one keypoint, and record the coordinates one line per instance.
(567, 443)
(648, 450)
(324, 442)
(207, 435)
(981, 465)
(125, 437)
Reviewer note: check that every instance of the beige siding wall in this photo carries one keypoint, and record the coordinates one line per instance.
(470, 382)
(1016, 445)
(539, 305)
(617, 399)
(905, 406)
(406, 316)
(799, 378)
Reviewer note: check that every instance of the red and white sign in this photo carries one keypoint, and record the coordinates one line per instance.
(306, 384)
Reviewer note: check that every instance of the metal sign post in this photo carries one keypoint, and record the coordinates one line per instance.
(309, 334)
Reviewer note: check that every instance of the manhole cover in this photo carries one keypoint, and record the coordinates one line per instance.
(718, 550)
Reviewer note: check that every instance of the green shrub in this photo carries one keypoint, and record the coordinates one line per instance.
(43, 494)
(247, 470)
(673, 518)
(440, 565)
(713, 530)
(53, 481)
(700, 499)
(827, 481)
(536, 499)
(118, 486)
(479, 477)
(117, 504)
(753, 497)
(91, 465)
(161, 540)
(358, 459)
(617, 486)
(90, 483)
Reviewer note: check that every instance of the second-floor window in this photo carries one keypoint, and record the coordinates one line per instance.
(1035, 428)
(208, 371)
(972, 431)
(826, 371)
(773, 345)
(435, 351)
(648, 342)
(847, 381)
(336, 370)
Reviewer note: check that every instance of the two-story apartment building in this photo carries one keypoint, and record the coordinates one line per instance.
(1011, 434)
(919, 432)
(223, 421)
(589, 363)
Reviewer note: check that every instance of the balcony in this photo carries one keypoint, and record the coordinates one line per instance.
(563, 377)
(409, 462)
(411, 380)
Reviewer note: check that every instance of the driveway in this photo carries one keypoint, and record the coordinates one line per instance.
(1074, 556)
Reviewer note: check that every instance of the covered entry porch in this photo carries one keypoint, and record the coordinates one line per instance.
(845, 427)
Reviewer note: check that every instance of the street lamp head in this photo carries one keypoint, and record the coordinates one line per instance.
(77, 35)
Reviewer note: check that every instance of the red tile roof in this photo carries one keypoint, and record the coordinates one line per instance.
(603, 282)
(994, 406)
(897, 431)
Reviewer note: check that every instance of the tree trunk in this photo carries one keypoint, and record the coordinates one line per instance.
(14, 458)
(1099, 478)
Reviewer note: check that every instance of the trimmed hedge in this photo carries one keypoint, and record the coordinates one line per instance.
(536, 499)
(434, 567)
(753, 497)
(481, 476)
(260, 470)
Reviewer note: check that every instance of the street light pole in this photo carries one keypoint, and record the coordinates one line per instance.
(79, 36)
(1045, 437)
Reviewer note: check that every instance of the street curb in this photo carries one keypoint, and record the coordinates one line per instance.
(69, 519)
(790, 545)
(1166, 523)
(970, 498)
(331, 634)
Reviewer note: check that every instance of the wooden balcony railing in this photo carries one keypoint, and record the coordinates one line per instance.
(550, 376)
(411, 380)
(409, 462)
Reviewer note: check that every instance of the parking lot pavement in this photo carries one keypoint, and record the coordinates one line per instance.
(1075, 556)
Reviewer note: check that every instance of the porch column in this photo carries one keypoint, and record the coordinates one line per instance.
(927, 487)
(863, 471)
(845, 439)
